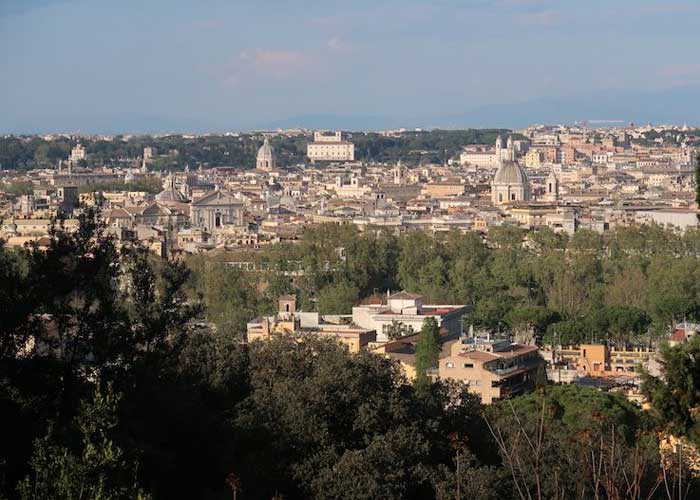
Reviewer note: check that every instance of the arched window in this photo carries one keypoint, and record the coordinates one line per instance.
(217, 220)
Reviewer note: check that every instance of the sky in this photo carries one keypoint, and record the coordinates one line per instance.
(218, 65)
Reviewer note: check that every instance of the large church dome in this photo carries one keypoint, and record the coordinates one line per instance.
(510, 184)
(266, 158)
(510, 173)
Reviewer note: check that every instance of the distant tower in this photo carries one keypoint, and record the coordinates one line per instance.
(551, 187)
(499, 148)
(399, 173)
(144, 166)
(510, 149)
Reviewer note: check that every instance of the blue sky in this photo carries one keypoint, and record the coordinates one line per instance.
(156, 65)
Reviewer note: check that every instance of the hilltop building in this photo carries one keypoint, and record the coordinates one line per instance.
(330, 146)
(76, 154)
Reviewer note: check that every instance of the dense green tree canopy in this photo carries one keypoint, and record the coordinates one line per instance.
(626, 286)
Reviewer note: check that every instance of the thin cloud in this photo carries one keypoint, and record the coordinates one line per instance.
(540, 18)
(680, 74)
(278, 64)
(207, 24)
(337, 44)
(276, 60)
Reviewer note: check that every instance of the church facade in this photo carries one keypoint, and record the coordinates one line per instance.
(215, 210)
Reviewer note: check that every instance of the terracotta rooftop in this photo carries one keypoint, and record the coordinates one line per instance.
(512, 351)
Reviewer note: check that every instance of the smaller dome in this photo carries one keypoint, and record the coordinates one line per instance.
(171, 195)
(510, 173)
(129, 177)
(170, 192)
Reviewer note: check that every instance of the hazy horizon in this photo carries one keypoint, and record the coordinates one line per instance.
(148, 67)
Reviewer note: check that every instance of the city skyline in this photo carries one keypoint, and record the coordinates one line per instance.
(185, 67)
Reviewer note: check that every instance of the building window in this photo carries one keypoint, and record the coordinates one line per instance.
(468, 365)
(449, 365)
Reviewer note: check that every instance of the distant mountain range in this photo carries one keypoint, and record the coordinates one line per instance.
(676, 105)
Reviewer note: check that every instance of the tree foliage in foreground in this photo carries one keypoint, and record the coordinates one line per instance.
(111, 387)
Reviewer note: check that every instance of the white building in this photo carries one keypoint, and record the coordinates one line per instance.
(407, 308)
(330, 146)
(481, 157)
(678, 218)
(77, 153)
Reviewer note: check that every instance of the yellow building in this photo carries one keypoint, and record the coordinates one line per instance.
(533, 158)
(288, 321)
(440, 190)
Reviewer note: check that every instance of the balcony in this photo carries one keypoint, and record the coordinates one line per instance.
(523, 366)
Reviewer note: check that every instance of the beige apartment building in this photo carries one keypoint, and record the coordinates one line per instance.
(493, 369)
(330, 146)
